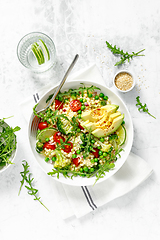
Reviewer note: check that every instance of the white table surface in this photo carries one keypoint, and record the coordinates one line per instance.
(82, 27)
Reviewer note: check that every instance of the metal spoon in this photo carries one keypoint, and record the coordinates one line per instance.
(61, 83)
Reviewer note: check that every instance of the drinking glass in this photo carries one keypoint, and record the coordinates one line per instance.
(27, 57)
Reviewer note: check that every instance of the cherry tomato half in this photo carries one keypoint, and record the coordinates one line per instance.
(42, 125)
(49, 145)
(57, 136)
(75, 105)
(58, 104)
(75, 161)
(68, 148)
(96, 153)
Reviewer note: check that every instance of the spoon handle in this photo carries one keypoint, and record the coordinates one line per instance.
(63, 80)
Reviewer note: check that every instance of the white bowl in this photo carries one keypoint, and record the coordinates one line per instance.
(13, 155)
(131, 74)
(80, 181)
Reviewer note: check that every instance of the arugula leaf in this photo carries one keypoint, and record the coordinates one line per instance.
(143, 107)
(124, 55)
(23, 174)
(26, 177)
(7, 142)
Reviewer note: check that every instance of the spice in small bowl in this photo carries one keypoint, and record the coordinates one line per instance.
(124, 81)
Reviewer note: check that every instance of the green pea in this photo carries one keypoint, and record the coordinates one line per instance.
(100, 152)
(101, 156)
(81, 169)
(96, 97)
(105, 154)
(90, 95)
(101, 139)
(99, 147)
(78, 130)
(79, 111)
(93, 141)
(85, 169)
(103, 103)
(92, 160)
(83, 107)
(78, 151)
(47, 139)
(95, 159)
(81, 100)
(91, 169)
(79, 116)
(101, 95)
(105, 97)
(74, 156)
(53, 159)
(47, 159)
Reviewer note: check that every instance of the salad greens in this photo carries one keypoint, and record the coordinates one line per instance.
(26, 177)
(7, 142)
(143, 107)
(124, 55)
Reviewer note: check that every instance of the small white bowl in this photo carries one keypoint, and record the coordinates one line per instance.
(123, 80)
(13, 154)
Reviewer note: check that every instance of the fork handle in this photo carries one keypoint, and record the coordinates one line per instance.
(63, 80)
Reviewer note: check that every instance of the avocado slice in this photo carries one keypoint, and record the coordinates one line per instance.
(98, 113)
(91, 126)
(110, 107)
(114, 126)
(114, 115)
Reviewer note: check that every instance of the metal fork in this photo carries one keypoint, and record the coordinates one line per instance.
(36, 120)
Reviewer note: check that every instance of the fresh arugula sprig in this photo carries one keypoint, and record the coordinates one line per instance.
(23, 174)
(8, 142)
(33, 191)
(124, 55)
(143, 107)
(26, 177)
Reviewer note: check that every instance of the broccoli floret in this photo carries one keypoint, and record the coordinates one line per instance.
(64, 126)
(105, 147)
(61, 160)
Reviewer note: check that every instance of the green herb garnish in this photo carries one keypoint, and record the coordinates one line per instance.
(124, 55)
(7, 142)
(26, 177)
(143, 107)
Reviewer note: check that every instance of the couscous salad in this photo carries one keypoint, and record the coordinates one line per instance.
(81, 133)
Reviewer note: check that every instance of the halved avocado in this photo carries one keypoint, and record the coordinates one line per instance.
(107, 131)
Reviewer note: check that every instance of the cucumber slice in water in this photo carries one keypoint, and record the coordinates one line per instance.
(45, 49)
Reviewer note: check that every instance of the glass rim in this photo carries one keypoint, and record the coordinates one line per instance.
(25, 36)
